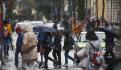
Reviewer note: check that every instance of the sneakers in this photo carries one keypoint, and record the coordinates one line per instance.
(65, 65)
(45, 67)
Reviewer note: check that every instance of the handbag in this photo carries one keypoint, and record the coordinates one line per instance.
(96, 58)
(81, 53)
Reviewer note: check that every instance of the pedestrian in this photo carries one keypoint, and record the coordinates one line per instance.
(29, 48)
(57, 48)
(68, 45)
(110, 44)
(47, 46)
(91, 50)
(19, 43)
(6, 40)
(40, 49)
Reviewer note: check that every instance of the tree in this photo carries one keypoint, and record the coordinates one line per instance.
(81, 9)
(45, 6)
(10, 7)
(103, 10)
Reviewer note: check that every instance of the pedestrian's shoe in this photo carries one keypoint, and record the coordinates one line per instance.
(3, 63)
(55, 65)
(40, 64)
(45, 67)
(16, 64)
(59, 66)
(65, 65)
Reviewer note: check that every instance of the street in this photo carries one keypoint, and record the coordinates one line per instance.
(9, 62)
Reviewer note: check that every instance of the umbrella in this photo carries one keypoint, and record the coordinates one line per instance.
(43, 29)
(109, 30)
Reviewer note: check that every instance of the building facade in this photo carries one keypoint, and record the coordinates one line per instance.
(111, 9)
(23, 10)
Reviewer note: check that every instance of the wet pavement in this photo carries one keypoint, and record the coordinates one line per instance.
(9, 62)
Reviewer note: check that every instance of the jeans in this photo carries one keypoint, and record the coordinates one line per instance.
(57, 55)
(67, 56)
(18, 50)
(6, 45)
(47, 50)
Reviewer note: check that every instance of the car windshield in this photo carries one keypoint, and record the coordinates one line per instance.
(101, 36)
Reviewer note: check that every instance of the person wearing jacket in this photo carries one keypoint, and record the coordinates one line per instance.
(29, 48)
(19, 43)
(57, 48)
(47, 46)
(89, 51)
(68, 45)
(40, 49)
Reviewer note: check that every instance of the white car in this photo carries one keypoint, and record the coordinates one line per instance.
(81, 42)
(22, 24)
(36, 23)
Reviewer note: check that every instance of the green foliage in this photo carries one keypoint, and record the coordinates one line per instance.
(44, 6)
(81, 10)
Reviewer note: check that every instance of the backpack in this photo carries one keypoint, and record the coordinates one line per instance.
(96, 58)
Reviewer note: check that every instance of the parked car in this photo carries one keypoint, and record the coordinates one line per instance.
(36, 23)
(81, 41)
(22, 23)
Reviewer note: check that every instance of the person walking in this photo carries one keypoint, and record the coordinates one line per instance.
(57, 48)
(91, 50)
(29, 48)
(6, 40)
(47, 46)
(40, 49)
(110, 44)
(19, 43)
(68, 45)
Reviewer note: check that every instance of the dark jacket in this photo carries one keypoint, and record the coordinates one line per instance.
(68, 43)
(19, 41)
(57, 41)
(41, 36)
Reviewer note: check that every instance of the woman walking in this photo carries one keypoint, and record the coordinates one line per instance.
(91, 51)
(29, 48)
(68, 45)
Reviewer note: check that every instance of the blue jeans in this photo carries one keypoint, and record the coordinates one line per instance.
(18, 50)
(6, 45)
(67, 56)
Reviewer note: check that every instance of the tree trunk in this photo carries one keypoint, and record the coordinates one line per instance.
(96, 9)
(81, 9)
(103, 9)
(1, 7)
